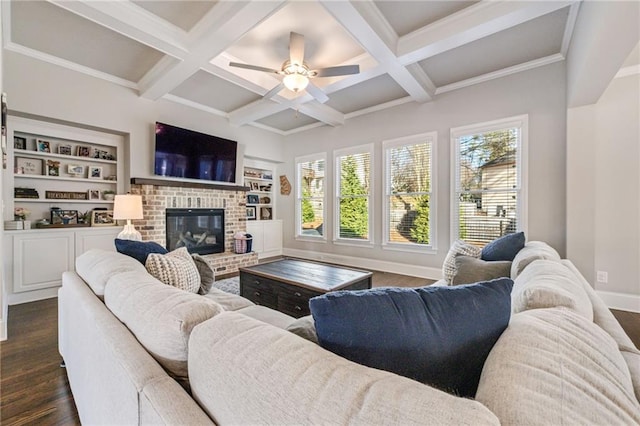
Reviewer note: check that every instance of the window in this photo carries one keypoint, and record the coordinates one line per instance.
(408, 209)
(353, 194)
(488, 198)
(310, 202)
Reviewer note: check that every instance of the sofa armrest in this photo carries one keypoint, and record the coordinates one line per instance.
(244, 371)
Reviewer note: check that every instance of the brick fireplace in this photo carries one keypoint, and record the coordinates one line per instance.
(158, 195)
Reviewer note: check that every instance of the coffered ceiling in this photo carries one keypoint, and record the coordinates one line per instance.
(408, 51)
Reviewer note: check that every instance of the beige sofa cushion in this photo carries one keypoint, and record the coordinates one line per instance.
(261, 374)
(533, 250)
(160, 316)
(229, 301)
(97, 266)
(458, 247)
(547, 284)
(553, 367)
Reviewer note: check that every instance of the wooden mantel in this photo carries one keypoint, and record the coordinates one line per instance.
(185, 184)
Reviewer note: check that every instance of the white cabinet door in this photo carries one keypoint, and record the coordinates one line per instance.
(102, 239)
(40, 258)
(272, 238)
(256, 230)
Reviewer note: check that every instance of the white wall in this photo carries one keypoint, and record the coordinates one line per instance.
(47, 90)
(539, 93)
(604, 191)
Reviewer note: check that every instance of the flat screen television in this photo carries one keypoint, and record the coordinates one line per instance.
(188, 154)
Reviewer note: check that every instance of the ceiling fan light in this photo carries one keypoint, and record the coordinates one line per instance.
(295, 82)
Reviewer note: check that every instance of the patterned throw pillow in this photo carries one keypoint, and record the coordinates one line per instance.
(458, 247)
(175, 268)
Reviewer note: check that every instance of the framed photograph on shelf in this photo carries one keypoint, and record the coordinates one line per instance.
(83, 151)
(102, 218)
(28, 166)
(75, 170)
(64, 217)
(53, 168)
(253, 199)
(251, 213)
(94, 172)
(94, 194)
(64, 149)
(265, 213)
(43, 146)
(19, 142)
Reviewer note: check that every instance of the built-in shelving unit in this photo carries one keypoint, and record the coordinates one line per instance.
(260, 197)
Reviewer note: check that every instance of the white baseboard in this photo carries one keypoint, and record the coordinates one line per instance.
(3, 330)
(32, 296)
(622, 301)
(370, 264)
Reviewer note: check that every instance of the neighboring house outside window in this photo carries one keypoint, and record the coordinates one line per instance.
(310, 196)
(408, 206)
(353, 195)
(488, 198)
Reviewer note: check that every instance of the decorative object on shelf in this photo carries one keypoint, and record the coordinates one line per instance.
(265, 200)
(267, 175)
(53, 168)
(108, 195)
(83, 151)
(285, 186)
(111, 177)
(254, 186)
(253, 199)
(128, 207)
(251, 212)
(265, 188)
(94, 194)
(64, 149)
(85, 217)
(21, 213)
(252, 173)
(94, 172)
(43, 146)
(102, 218)
(75, 170)
(65, 195)
(28, 166)
(13, 225)
(25, 193)
(64, 217)
(265, 213)
(19, 142)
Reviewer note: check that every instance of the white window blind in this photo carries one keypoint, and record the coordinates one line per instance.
(310, 190)
(353, 204)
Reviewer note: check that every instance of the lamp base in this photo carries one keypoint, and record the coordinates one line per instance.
(129, 233)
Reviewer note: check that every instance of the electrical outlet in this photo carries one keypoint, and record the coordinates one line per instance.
(602, 277)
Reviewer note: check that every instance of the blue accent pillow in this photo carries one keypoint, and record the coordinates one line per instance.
(440, 336)
(139, 250)
(503, 248)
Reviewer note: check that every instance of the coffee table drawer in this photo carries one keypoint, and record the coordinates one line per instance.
(295, 308)
(259, 290)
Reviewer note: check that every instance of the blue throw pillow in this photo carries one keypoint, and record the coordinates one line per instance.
(139, 249)
(503, 248)
(440, 336)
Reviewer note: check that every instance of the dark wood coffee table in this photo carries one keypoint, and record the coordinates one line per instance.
(287, 284)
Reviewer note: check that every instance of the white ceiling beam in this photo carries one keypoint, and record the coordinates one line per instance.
(131, 21)
(224, 24)
(366, 24)
(471, 24)
(255, 111)
(322, 112)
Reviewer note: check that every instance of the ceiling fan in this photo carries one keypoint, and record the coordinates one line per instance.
(296, 72)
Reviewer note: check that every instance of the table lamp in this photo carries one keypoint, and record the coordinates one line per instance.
(128, 207)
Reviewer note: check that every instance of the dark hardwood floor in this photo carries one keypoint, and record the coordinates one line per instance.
(34, 388)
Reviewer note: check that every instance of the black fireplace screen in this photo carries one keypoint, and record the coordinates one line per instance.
(199, 230)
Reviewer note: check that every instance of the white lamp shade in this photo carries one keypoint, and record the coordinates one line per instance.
(127, 206)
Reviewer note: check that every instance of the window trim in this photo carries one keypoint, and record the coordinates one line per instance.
(520, 121)
(353, 150)
(432, 138)
(298, 200)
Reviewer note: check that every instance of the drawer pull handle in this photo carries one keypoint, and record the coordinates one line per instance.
(298, 308)
(257, 294)
(256, 282)
(297, 294)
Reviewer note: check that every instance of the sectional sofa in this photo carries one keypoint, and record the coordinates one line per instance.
(140, 352)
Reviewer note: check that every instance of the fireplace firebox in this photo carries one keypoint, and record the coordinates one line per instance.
(199, 230)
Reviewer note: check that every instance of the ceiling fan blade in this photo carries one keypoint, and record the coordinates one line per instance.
(252, 67)
(317, 93)
(271, 93)
(336, 71)
(296, 48)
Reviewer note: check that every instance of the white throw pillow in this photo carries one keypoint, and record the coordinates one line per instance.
(458, 247)
(176, 269)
